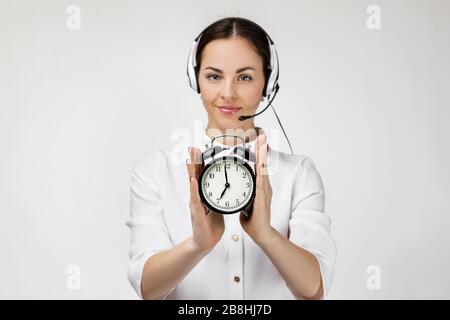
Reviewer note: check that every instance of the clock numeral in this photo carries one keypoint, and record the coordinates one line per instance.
(244, 174)
(244, 194)
(227, 204)
(210, 194)
(206, 184)
(211, 175)
(247, 184)
(218, 168)
(237, 201)
(228, 165)
(237, 168)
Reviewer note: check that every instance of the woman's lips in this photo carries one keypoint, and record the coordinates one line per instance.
(229, 110)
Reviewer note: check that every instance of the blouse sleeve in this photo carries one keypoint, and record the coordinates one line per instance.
(148, 230)
(309, 226)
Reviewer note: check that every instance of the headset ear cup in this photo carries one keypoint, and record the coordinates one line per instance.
(272, 81)
(196, 79)
(192, 68)
(269, 74)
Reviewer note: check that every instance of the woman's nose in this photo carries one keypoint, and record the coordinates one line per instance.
(228, 89)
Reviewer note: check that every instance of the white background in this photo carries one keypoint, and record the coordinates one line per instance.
(78, 109)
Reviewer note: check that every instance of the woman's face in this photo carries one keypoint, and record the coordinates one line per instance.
(231, 74)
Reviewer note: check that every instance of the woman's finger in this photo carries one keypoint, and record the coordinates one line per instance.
(195, 158)
(261, 156)
(263, 160)
(259, 141)
(193, 172)
(195, 197)
(198, 162)
(194, 162)
(189, 164)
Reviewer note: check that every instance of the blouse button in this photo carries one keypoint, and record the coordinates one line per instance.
(235, 237)
(236, 279)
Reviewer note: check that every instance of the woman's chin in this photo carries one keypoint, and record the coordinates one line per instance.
(232, 124)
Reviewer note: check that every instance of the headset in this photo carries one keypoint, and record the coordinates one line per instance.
(271, 85)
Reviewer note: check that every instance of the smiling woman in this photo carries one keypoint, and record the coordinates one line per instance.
(280, 247)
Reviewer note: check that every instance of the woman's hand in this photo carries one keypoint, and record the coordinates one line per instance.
(257, 224)
(207, 227)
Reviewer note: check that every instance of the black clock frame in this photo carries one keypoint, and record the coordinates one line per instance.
(237, 160)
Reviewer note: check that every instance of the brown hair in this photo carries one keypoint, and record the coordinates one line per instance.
(236, 27)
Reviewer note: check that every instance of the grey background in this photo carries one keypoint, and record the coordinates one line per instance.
(78, 108)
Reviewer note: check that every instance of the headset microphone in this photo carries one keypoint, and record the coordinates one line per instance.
(242, 118)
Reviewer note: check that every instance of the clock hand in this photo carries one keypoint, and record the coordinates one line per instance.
(223, 192)
(226, 176)
(227, 185)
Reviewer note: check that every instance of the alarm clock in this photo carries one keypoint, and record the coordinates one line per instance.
(227, 182)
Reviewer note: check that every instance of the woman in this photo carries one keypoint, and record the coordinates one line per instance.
(180, 250)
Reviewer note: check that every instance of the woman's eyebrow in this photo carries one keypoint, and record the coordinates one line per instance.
(237, 71)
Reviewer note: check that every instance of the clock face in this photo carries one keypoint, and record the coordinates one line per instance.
(227, 185)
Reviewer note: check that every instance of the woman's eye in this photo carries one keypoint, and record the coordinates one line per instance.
(212, 75)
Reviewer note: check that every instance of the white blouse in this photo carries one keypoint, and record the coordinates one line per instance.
(236, 268)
